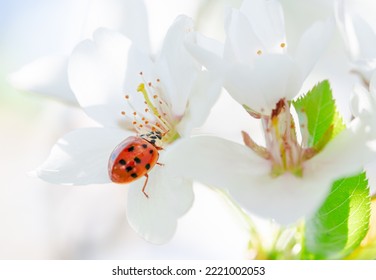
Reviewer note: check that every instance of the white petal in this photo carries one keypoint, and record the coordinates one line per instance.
(210, 44)
(286, 199)
(96, 74)
(371, 176)
(138, 61)
(346, 154)
(46, 75)
(128, 17)
(203, 95)
(372, 84)
(242, 43)
(366, 37)
(363, 50)
(346, 27)
(312, 45)
(81, 157)
(217, 162)
(364, 69)
(260, 87)
(362, 100)
(206, 51)
(155, 218)
(176, 67)
(267, 21)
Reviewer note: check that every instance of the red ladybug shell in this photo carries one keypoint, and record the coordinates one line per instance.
(131, 159)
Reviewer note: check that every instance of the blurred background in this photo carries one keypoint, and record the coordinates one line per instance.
(43, 221)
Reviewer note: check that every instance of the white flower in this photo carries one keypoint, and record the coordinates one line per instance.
(363, 105)
(48, 74)
(360, 41)
(250, 179)
(286, 179)
(256, 52)
(127, 91)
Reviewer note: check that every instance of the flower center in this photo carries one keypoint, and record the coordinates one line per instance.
(282, 149)
(155, 117)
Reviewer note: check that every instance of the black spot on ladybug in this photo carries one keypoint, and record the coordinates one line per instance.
(122, 162)
(144, 146)
(131, 148)
(151, 151)
(137, 160)
(134, 175)
(129, 168)
(147, 166)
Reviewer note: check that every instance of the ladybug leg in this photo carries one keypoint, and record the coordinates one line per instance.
(144, 187)
(160, 164)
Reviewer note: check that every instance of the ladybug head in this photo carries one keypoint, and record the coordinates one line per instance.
(153, 137)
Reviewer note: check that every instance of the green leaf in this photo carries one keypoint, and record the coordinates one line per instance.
(342, 221)
(367, 249)
(317, 111)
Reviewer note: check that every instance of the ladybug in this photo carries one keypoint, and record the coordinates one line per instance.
(134, 157)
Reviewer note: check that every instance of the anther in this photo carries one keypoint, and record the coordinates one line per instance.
(283, 45)
(158, 80)
(126, 97)
(259, 52)
(135, 113)
(123, 113)
(149, 84)
(155, 96)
